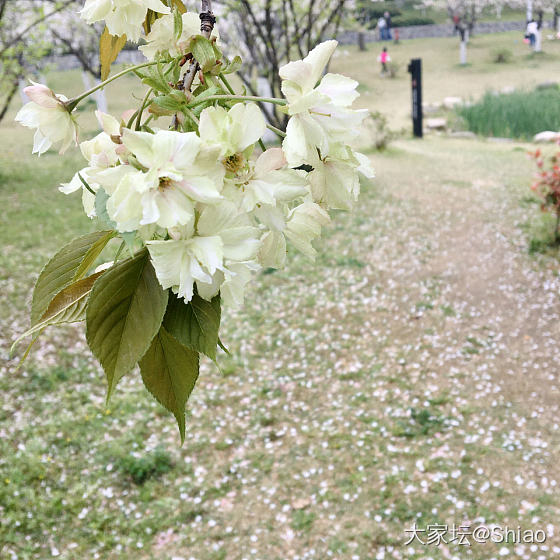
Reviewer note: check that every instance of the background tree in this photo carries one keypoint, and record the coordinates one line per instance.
(23, 42)
(70, 35)
(31, 30)
(268, 33)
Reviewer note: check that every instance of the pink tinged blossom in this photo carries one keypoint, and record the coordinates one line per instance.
(47, 114)
(42, 95)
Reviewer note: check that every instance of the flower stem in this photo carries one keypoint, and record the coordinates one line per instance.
(191, 115)
(227, 84)
(84, 182)
(72, 103)
(277, 131)
(142, 107)
(274, 100)
(119, 251)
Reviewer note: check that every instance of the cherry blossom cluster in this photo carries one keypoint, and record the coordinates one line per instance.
(206, 200)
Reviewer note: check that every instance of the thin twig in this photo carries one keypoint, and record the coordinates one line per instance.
(207, 22)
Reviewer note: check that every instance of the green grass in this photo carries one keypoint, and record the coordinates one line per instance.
(443, 76)
(363, 392)
(520, 114)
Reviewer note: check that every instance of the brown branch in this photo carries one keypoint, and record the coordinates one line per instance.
(3, 5)
(9, 98)
(207, 22)
(95, 72)
(336, 12)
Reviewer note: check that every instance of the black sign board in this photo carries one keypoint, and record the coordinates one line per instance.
(415, 69)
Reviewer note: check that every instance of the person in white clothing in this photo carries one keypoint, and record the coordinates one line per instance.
(532, 30)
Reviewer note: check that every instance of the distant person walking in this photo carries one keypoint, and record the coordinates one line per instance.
(532, 30)
(382, 27)
(388, 34)
(456, 22)
(384, 59)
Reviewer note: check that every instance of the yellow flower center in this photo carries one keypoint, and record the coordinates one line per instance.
(164, 182)
(234, 163)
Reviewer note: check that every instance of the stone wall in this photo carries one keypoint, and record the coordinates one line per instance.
(441, 30)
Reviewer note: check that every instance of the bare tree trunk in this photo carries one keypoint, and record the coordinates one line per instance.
(8, 99)
(362, 41)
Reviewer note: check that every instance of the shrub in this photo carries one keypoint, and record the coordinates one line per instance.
(392, 69)
(377, 125)
(547, 186)
(501, 56)
(519, 114)
(407, 21)
(151, 465)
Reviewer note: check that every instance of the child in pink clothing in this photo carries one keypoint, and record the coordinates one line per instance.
(384, 58)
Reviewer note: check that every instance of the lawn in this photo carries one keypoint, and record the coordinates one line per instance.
(443, 76)
(409, 376)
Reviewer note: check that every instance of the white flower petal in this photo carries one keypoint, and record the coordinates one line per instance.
(272, 253)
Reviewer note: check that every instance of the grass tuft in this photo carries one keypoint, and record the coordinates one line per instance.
(520, 114)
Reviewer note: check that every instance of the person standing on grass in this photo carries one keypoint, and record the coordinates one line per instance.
(389, 23)
(384, 59)
(382, 27)
(532, 30)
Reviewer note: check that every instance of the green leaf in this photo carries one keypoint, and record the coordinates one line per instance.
(222, 346)
(101, 198)
(169, 371)
(232, 66)
(123, 314)
(70, 264)
(174, 101)
(179, 5)
(177, 23)
(194, 324)
(131, 240)
(204, 52)
(68, 306)
(109, 48)
(155, 78)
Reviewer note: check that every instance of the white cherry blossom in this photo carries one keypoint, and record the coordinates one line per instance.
(320, 110)
(122, 17)
(48, 114)
(162, 39)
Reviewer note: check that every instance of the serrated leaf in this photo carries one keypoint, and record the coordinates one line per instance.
(169, 371)
(68, 306)
(123, 314)
(155, 78)
(155, 109)
(195, 324)
(204, 52)
(109, 48)
(70, 264)
(174, 101)
(232, 66)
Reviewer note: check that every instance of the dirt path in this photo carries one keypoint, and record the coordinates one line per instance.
(409, 376)
(421, 363)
